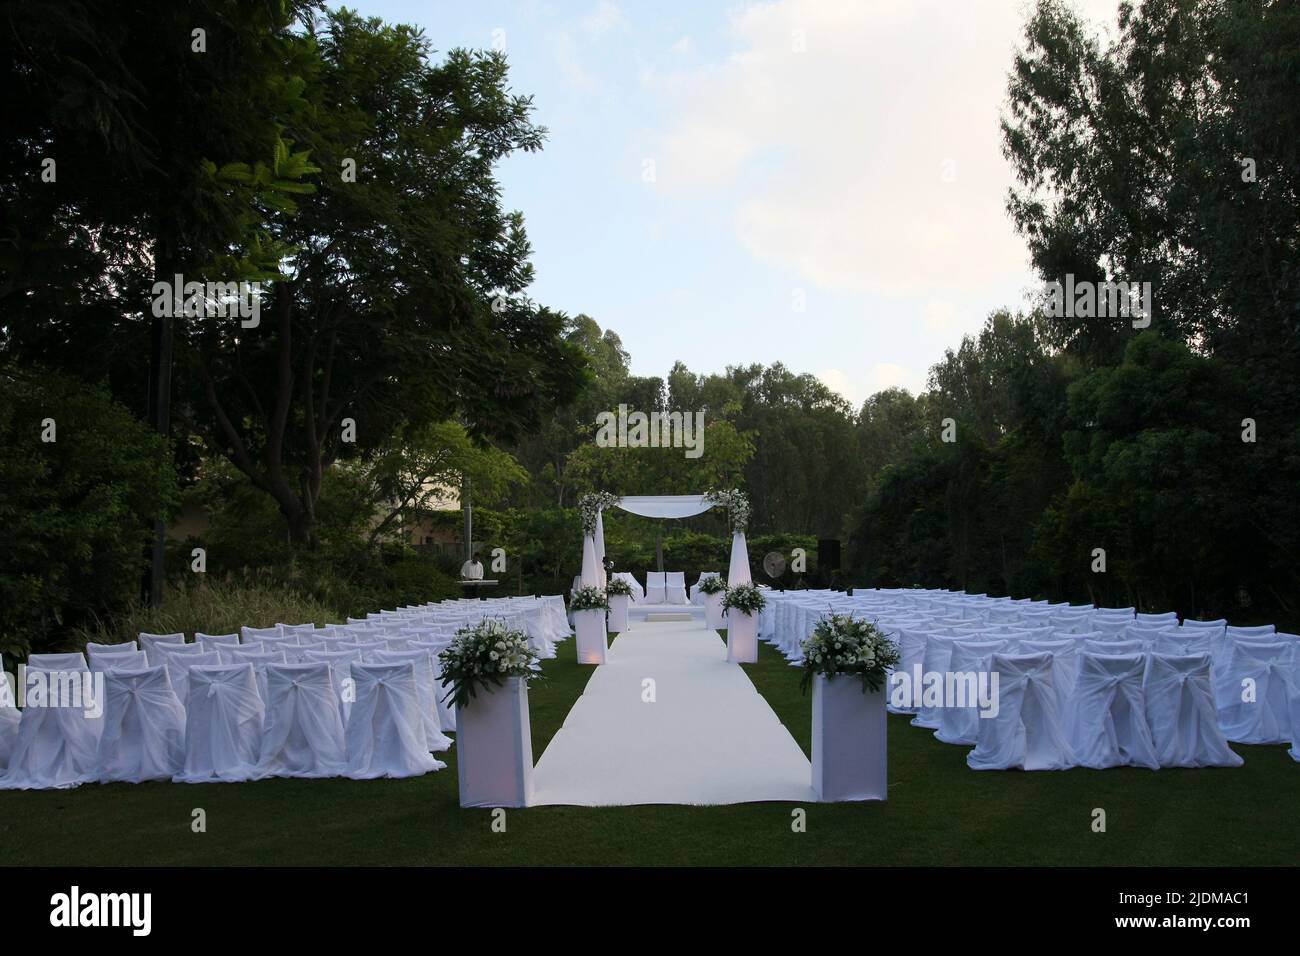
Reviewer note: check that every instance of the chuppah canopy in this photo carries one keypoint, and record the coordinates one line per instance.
(661, 506)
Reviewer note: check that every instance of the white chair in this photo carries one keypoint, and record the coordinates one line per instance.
(1107, 722)
(301, 630)
(911, 642)
(303, 732)
(10, 717)
(55, 745)
(1174, 641)
(960, 725)
(1181, 713)
(426, 690)
(656, 588)
(149, 643)
(144, 727)
(385, 735)
(72, 661)
(223, 725)
(212, 642)
(1215, 626)
(935, 660)
(675, 587)
(1027, 731)
(1065, 665)
(94, 650)
(1166, 619)
(132, 661)
(1125, 614)
(1114, 648)
(260, 633)
(1252, 692)
(340, 663)
(446, 706)
(179, 665)
(1262, 630)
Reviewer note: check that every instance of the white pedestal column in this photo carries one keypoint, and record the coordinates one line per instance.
(849, 743)
(618, 605)
(742, 637)
(494, 747)
(713, 611)
(592, 638)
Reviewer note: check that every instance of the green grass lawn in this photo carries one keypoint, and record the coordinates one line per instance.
(938, 812)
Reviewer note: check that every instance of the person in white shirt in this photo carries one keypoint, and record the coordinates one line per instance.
(472, 570)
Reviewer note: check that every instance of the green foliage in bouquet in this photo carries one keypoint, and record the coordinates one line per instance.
(842, 645)
(589, 599)
(483, 656)
(744, 598)
(618, 587)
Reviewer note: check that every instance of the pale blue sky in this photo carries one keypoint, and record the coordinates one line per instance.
(711, 167)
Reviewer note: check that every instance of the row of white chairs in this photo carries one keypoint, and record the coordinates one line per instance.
(237, 724)
(1246, 679)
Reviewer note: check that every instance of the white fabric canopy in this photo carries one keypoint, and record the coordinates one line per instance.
(665, 506)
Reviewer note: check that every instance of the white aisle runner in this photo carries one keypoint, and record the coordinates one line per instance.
(708, 738)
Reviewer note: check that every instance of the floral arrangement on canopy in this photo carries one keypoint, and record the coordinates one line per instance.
(843, 645)
(483, 656)
(737, 504)
(590, 506)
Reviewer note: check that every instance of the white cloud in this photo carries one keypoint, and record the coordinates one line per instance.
(683, 47)
(858, 388)
(860, 142)
(604, 18)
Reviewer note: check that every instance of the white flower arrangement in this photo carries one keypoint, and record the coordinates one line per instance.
(744, 598)
(713, 585)
(737, 504)
(843, 645)
(590, 506)
(617, 587)
(589, 599)
(484, 655)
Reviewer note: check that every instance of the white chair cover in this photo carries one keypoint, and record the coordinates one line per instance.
(911, 651)
(960, 725)
(1264, 719)
(446, 706)
(1178, 642)
(675, 587)
(385, 735)
(212, 642)
(1167, 619)
(55, 746)
(260, 633)
(10, 718)
(94, 650)
(1065, 665)
(178, 669)
(150, 642)
(1026, 732)
(132, 661)
(302, 630)
(935, 660)
(144, 727)
(1181, 713)
(1114, 647)
(655, 588)
(223, 726)
(1107, 723)
(303, 734)
(340, 664)
(426, 689)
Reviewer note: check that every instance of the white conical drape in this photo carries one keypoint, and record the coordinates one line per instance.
(738, 572)
(590, 578)
(600, 548)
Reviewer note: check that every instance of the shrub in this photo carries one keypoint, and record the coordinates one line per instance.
(77, 512)
(213, 607)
